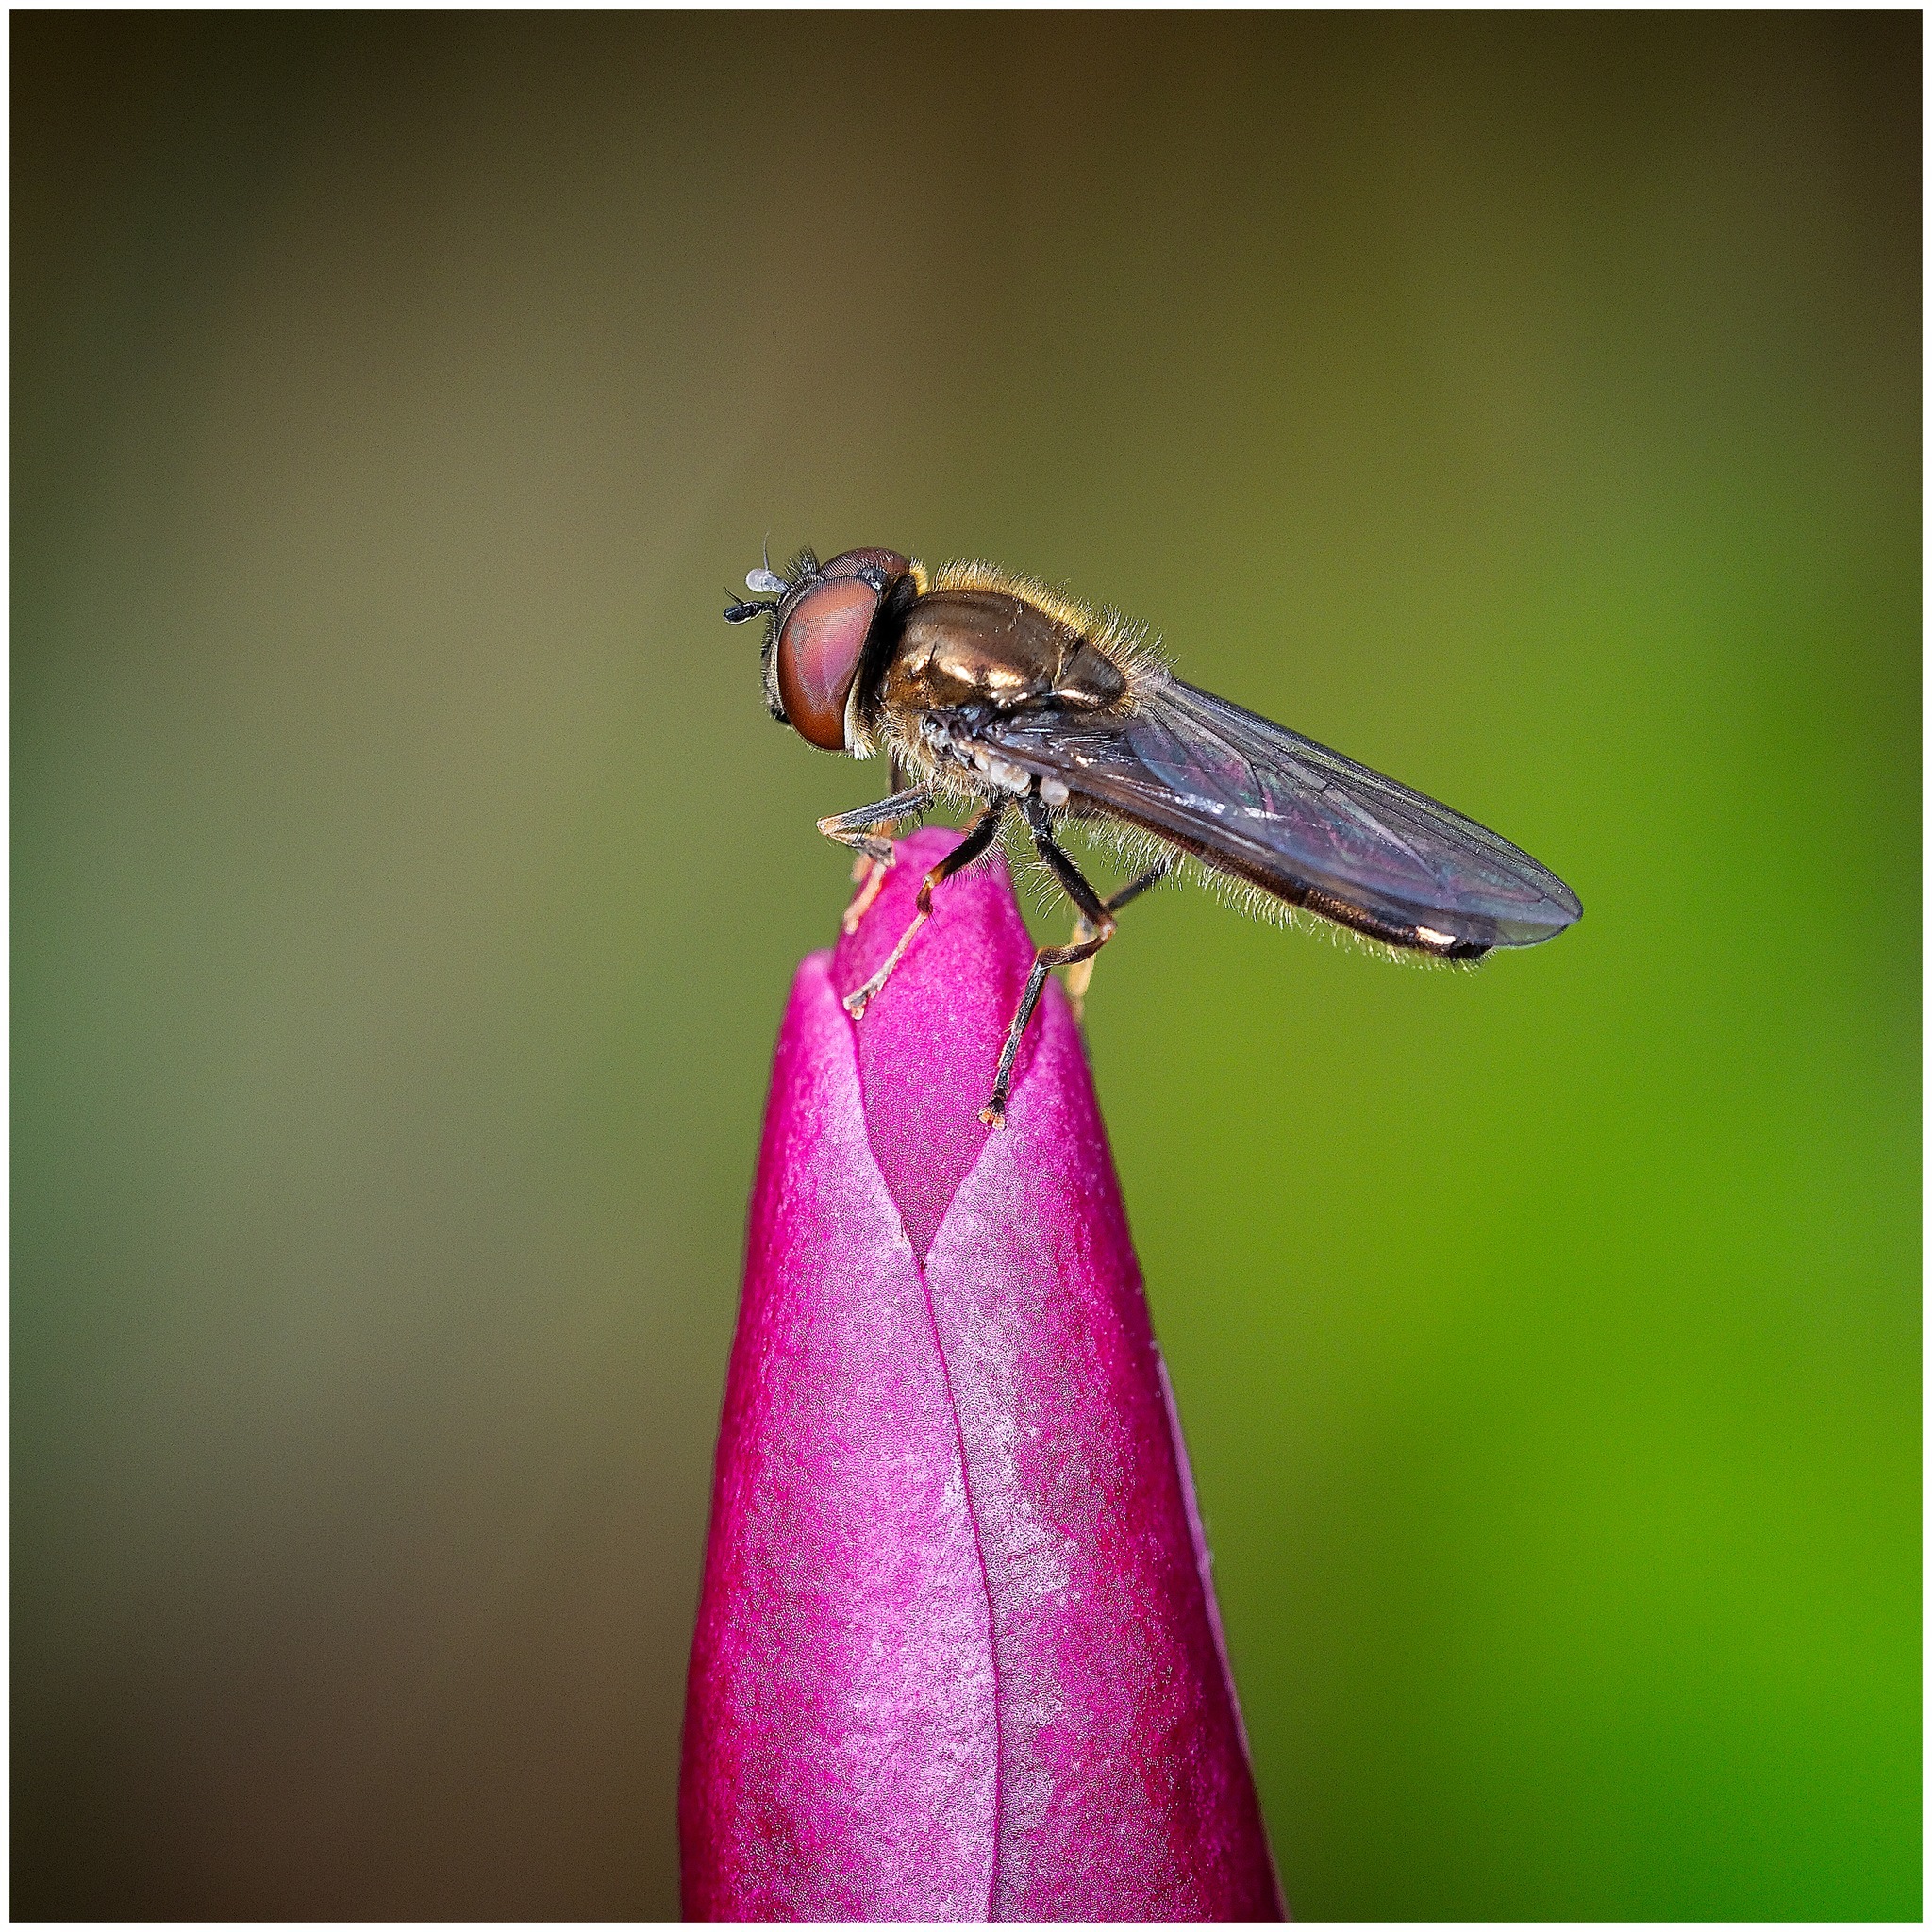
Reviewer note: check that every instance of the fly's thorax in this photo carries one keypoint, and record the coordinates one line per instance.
(960, 647)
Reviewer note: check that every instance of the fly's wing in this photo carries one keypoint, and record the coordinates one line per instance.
(1312, 828)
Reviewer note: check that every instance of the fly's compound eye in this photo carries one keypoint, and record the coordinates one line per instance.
(882, 569)
(819, 644)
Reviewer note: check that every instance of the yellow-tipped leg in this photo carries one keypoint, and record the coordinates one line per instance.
(1080, 974)
(873, 876)
(855, 1003)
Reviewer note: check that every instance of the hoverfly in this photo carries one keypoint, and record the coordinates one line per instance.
(990, 689)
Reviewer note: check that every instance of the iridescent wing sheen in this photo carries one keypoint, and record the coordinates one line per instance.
(1300, 822)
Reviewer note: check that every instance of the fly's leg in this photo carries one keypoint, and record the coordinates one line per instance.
(984, 829)
(863, 867)
(867, 874)
(1096, 920)
(1080, 977)
(853, 829)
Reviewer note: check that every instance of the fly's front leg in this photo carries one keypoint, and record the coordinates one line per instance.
(853, 829)
(1096, 920)
(1080, 976)
(867, 874)
(984, 829)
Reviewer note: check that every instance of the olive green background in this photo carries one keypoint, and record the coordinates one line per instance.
(408, 881)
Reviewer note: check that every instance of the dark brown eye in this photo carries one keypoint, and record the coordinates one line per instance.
(818, 656)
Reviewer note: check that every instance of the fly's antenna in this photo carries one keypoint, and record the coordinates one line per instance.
(766, 583)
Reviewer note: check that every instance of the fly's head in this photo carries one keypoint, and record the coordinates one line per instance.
(819, 618)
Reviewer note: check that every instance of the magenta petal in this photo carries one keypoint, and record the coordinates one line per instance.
(956, 1654)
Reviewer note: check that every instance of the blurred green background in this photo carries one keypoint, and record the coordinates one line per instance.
(408, 881)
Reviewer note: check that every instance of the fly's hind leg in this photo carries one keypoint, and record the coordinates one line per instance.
(1096, 922)
(854, 828)
(1080, 975)
(984, 830)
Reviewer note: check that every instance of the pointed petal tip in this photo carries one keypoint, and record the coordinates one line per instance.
(930, 1040)
(956, 1655)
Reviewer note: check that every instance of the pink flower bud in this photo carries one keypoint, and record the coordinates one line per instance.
(958, 1655)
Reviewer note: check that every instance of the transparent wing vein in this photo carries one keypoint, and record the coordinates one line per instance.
(1293, 817)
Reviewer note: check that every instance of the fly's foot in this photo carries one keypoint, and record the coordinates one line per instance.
(856, 1002)
(992, 1115)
